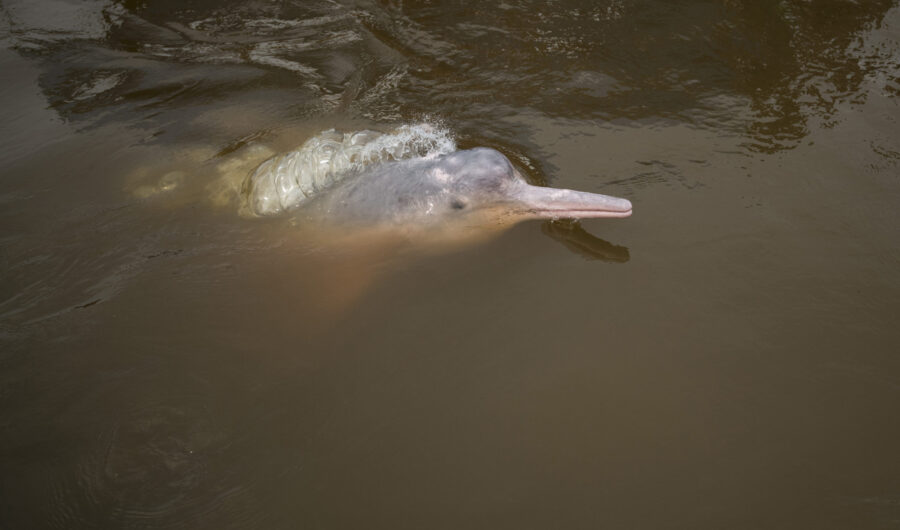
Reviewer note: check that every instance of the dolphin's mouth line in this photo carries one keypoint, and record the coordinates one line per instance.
(580, 213)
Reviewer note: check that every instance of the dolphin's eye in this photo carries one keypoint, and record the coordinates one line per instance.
(457, 204)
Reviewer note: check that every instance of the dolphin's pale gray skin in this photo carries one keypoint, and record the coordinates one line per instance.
(476, 184)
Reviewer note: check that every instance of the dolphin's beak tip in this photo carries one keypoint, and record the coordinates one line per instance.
(618, 208)
(563, 203)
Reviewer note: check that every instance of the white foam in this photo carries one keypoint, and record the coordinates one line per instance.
(285, 181)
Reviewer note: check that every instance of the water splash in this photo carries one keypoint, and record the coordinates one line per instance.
(285, 181)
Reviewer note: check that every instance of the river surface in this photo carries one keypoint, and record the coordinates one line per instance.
(727, 357)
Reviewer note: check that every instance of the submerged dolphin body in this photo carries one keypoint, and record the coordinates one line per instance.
(477, 186)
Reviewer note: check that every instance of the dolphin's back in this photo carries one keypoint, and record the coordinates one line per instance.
(286, 181)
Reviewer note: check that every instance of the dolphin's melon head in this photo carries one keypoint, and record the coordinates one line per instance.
(474, 179)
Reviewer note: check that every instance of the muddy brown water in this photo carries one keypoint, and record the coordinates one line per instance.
(728, 357)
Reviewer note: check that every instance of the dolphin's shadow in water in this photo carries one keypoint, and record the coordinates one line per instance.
(575, 238)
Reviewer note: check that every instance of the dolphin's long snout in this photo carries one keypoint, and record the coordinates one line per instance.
(553, 203)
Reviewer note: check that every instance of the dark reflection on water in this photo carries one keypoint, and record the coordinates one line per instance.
(165, 362)
(761, 70)
(579, 241)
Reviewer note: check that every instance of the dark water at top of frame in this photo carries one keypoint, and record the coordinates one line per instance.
(728, 357)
